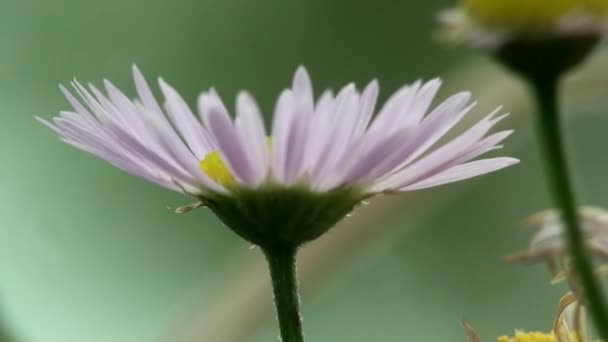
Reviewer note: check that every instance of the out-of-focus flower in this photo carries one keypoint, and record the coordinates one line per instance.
(549, 242)
(533, 16)
(491, 23)
(322, 159)
(533, 37)
(568, 326)
(522, 336)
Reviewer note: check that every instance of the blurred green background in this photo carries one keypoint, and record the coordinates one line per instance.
(88, 253)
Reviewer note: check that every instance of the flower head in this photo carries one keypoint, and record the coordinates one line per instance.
(569, 325)
(321, 159)
(522, 336)
(493, 23)
(537, 38)
(549, 241)
(532, 15)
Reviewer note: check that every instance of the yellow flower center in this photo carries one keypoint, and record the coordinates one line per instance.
(214, 167)
(514, 14)
(534, 336)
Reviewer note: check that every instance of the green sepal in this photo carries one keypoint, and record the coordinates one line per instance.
(273, 215)
(546, 57)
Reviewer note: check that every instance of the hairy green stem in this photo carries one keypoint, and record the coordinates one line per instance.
(282, 263)
(551, 139)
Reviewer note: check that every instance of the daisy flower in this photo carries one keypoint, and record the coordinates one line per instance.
(282, 188)
(318, 161)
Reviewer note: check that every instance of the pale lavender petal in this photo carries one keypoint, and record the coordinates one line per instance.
(299, 126)
(435, 126)
(128, 109)
(321, 128)
(179, 153)
(74, 102)
(250, 125)
(370, 153)
(134, 137)
(462, 172)
(185, 122)
(226, 137)
(48, 124)
(484, 145)
(439, 159)
(130, 167)
(421, 103)
(440, 121)
(168, 147)
(302, 87)
(144, 92)
(97, 142)
(284, 114)
(367, 104)
(392, 115)
(335, 134)
(340, 144)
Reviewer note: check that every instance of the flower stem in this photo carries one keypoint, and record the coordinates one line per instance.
(282, 263)
(551, 139)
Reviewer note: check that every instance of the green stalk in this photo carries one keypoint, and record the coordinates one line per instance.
(282, 263)
(551, 139)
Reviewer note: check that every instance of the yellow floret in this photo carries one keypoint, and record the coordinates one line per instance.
(213, 166)
(522, 14)
(533, 336)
